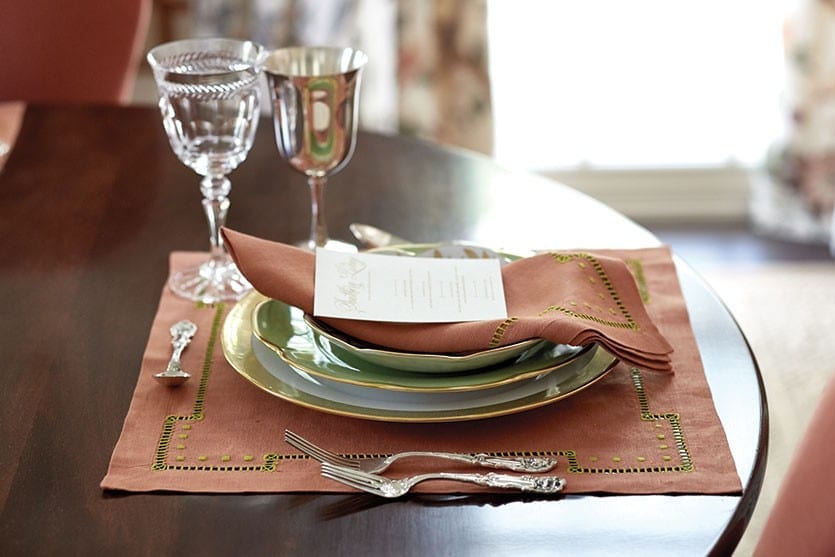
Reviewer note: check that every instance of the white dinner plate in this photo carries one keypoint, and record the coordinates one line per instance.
(246, 354)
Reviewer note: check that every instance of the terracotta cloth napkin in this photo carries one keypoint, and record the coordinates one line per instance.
(631, 432)
(567, 298)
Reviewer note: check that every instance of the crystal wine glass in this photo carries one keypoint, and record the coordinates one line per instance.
(209, 99)
(315, 95)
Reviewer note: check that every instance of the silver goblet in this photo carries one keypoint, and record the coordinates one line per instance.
(209, 99)
(315, 96)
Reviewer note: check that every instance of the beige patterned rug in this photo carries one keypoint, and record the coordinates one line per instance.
(787, 312)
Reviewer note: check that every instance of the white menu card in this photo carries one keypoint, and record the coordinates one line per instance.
(376, 287)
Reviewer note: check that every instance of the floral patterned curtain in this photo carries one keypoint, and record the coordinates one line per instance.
(442, 73)
(427, 73)
(797, 198)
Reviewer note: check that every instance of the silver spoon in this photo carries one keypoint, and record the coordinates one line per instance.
(181, 335)
(372, 237)
(385, 242)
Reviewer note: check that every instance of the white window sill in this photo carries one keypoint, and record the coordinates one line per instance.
(719, 194)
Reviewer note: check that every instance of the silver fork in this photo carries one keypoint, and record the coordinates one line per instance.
(391, 488)
(378, 464)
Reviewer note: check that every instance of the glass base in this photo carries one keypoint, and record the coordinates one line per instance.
(213, 281)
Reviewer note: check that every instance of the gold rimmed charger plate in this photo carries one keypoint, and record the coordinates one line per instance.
(237, 343)
(284, 329)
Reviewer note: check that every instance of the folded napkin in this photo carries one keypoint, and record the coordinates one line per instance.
(573, 298)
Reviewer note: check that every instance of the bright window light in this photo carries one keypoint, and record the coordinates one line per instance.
(649, 83)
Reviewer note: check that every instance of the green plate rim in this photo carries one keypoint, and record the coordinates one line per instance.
(236, 343)
(367, 374)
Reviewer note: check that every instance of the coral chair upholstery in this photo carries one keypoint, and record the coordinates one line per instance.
(802, 520)
(11, 116)
(78, 51)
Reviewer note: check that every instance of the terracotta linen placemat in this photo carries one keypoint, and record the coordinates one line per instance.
(633, 432)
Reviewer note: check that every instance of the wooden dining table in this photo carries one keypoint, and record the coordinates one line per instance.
(92, 202)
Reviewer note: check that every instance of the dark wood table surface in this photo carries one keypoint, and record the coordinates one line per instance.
(92, 201)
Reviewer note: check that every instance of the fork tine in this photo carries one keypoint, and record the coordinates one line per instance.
(342, 472)
(350, 483)
(320, 454)
(306, 447)
(356, 476)
(311, 451)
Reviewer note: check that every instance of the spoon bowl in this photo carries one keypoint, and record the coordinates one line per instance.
(172, 378)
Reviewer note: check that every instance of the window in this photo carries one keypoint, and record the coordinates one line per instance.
(635, 85)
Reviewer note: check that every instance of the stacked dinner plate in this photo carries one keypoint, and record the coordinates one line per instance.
(301, 360)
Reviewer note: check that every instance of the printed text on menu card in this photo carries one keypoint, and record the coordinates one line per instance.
(407, 289)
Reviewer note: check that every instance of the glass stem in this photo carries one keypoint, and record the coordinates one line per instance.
(318, 226)
(215, 190)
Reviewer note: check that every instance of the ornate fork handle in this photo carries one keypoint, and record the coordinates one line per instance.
(533, 484)
(517, 464)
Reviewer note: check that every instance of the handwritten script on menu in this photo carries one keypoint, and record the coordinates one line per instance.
(376, 287)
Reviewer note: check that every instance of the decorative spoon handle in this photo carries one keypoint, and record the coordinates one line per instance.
(181, 335)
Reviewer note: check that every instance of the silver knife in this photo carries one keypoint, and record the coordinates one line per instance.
(372, 237)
